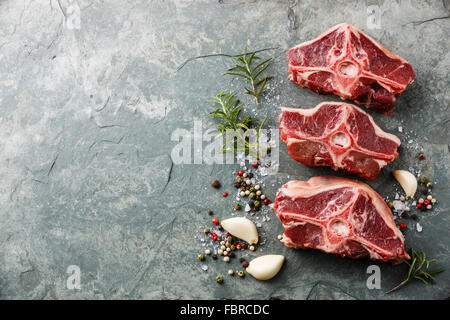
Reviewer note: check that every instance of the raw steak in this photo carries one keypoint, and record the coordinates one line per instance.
(340, 216)
(339, 135)
(350, 64)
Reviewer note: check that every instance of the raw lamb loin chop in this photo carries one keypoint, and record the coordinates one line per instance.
(338, 135)
(346, 62)
(338, 215)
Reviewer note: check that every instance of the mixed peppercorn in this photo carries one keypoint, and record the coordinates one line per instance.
(226, 246)
(248, 189)
(424, 203)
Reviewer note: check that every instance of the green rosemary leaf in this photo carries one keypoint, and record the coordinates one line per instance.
(260, 64)
(261, 88)
(418, 269)
(436, 271)
(251, 73)
(231, 122)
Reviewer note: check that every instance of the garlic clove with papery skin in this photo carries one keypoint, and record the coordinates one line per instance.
(241, 228)
(265, 267)
(407, 180)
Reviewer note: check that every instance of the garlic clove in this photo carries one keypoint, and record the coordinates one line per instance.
(241, 228)
(407, 180)
(265, 267)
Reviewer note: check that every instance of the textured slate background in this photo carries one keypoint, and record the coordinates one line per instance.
(85, 123)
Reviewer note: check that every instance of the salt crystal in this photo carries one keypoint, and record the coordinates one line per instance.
(418, 227)
(400, 129)
(398, 206)
(397, 196)
(263, 171)
(259, 225)
(204, 267)
(247, 207)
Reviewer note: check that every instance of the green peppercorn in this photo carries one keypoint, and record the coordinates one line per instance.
(229, 238)
(201, 257)
(252, 189)
(219, 279)
(252, 195)
(423, 179)
(241, 274)
(237, 207)
(233, 247)
(390, 204)
(257, 203)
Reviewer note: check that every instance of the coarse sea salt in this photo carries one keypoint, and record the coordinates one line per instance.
(204, 267)
(398, 206)
(418, 227)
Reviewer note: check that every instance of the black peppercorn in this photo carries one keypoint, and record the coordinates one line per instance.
(210, 212)
(414, 216)
(241, 260)
(214, 256)
(405, 215)
(250, 175)
(232, 255)
(220, 228)
(245, 264)
(251, 204)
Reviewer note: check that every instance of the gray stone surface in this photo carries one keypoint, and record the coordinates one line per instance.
(86, 120)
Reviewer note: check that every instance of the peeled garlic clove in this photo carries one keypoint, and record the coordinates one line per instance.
(241, 228)
(407, 180)
(265, 267)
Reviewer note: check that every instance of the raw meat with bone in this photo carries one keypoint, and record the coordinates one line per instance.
(346, 62)
(338, 215)
(338, 135)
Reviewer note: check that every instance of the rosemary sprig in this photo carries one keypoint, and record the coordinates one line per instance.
(230, 123)
(418, 261)
(244, 69)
